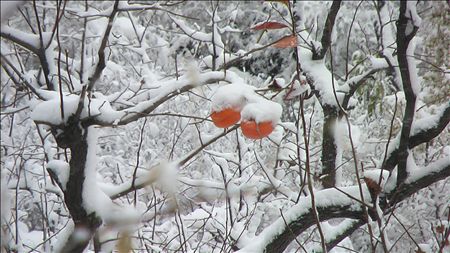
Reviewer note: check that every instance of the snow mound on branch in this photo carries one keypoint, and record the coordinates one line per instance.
(324, 198)
(61, 170)
(94, 199)
(261, 111)
(233, 95)
(49, 112)
(30, 39)
(243, 97)
(323, 79)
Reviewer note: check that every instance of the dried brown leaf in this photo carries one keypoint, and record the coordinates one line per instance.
(270, 25)
(373, 186)
(440, 229)
(286, 42)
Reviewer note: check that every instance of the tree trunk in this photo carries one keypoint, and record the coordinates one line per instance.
(74, 137)
(328, 173)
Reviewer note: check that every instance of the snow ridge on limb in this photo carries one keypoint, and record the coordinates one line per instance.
(333, 203)
(29, 41)
(406, 30)
(420, 133)
(98, 110)
(168, 91)
(330, 203)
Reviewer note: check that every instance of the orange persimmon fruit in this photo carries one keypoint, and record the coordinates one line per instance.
(253, 130)
(225, 118)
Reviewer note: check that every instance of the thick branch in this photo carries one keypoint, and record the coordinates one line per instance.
(430, 133)
(101, 64)
(440, 171)
(329, 148)
(303, 222)
(73, 194)
(32, 43)
(327, 30)
(168, 91)
(403, 39)
(334, 205)
(16, 36)
(420, 137)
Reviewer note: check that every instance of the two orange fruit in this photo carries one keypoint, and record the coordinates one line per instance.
(250, 128)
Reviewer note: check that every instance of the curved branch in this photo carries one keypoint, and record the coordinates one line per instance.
(334, 204)
(420, 136)
(280, 243)
(166, 91)
(327, 30)
(31, 42)
(427, 134)
(26, 40)
(101, 51)
(344, 233)
(407, 73)
(433, 173)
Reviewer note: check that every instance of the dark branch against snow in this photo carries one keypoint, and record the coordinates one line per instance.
(406, 29)
(319, 53)
(333, 203)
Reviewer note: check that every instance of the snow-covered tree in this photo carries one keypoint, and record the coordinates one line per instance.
(225, 126)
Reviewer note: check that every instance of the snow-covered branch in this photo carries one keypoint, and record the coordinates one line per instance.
(356, 82)
(423, 130)
(167, 92)
(27, 40)
(406, 29)
(34, 43)
(330, 203)
(151, 176)
(101, 64)
(333, 203)
(319, 53)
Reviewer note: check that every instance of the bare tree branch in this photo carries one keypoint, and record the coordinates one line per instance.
(142, 183)
(101, 50)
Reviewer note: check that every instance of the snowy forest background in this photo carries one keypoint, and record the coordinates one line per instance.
(107, 142)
